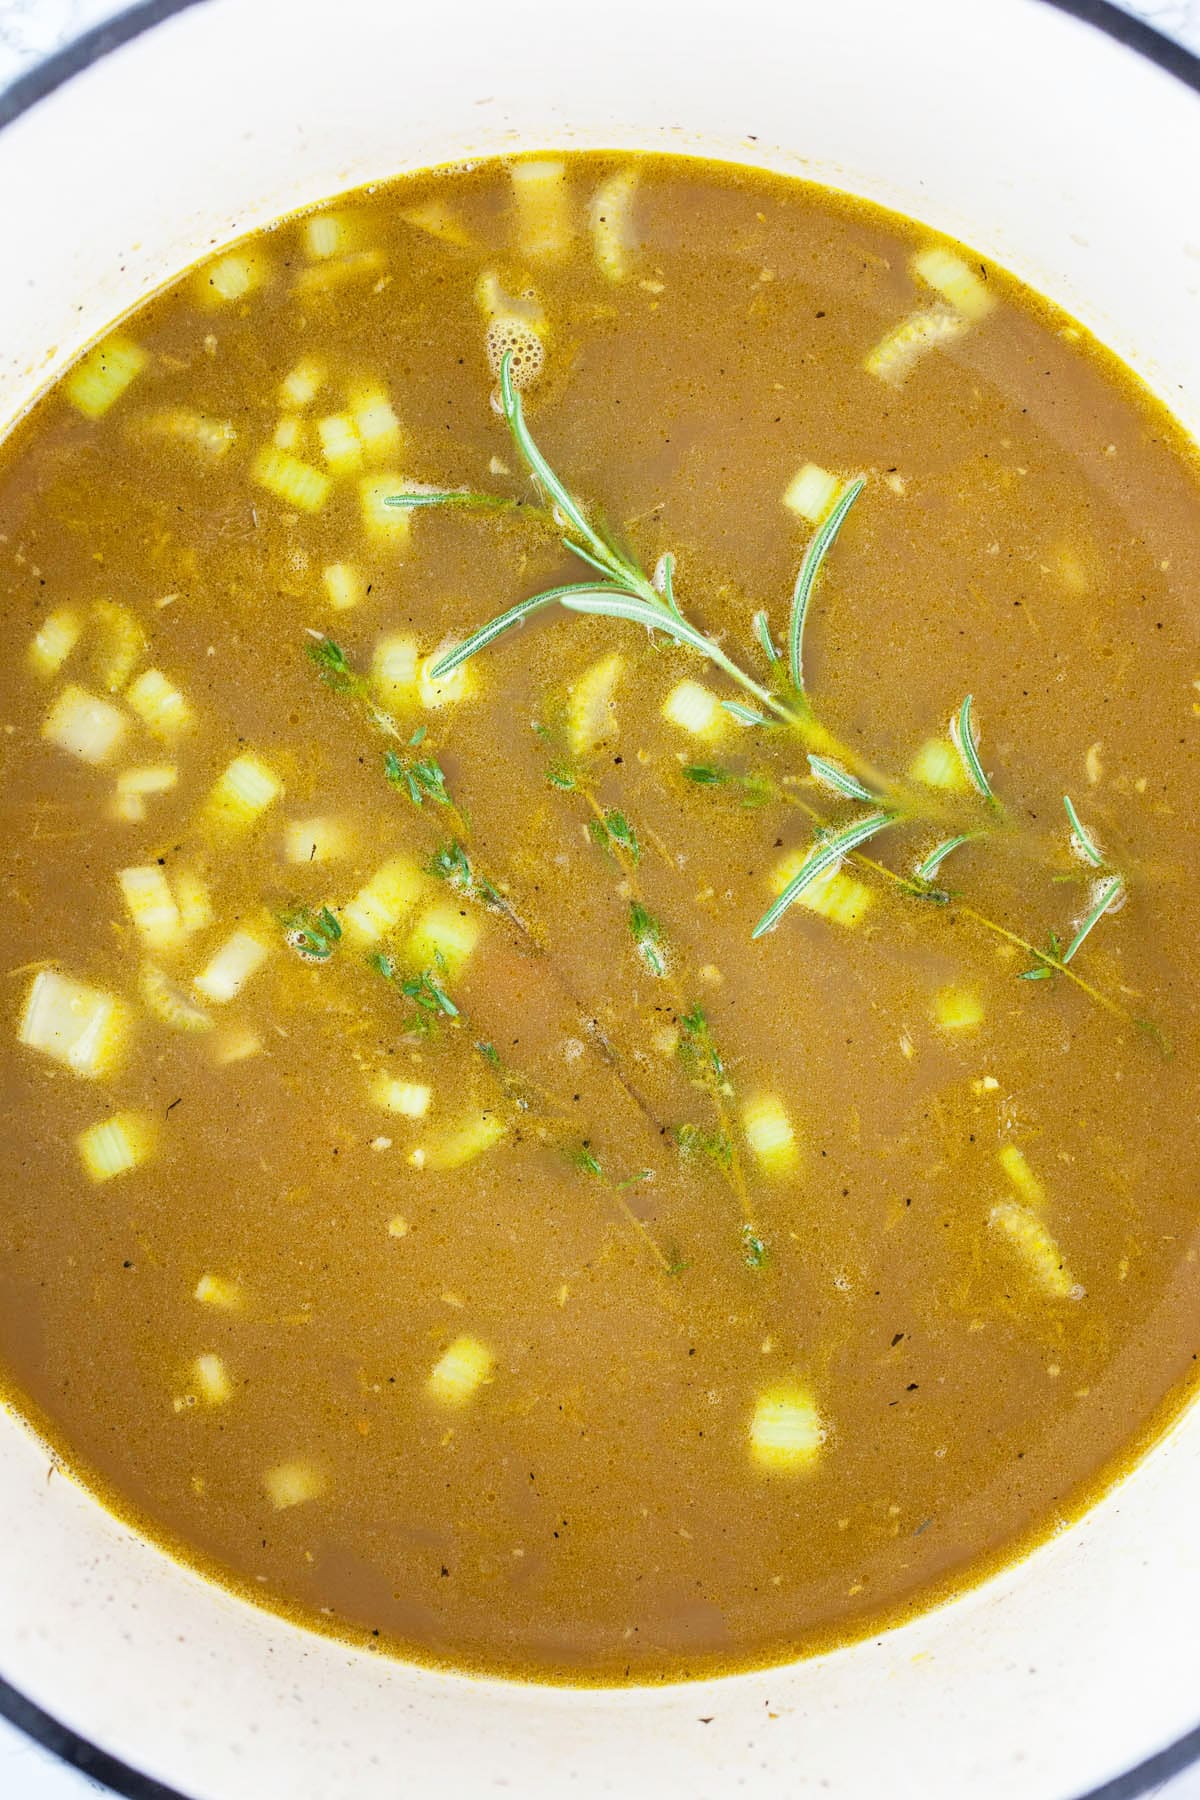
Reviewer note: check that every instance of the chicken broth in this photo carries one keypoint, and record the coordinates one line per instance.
(661, 1137)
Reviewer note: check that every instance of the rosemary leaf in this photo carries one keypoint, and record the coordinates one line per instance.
(1106, 895)
(818, 549)
(1083, 841)
(926, 870)
(745, 715)
(707, 774)
(840, 779)
(460, 497)
(543, 474)
(824, 856)
(505, 621)
(664, 581)
(962, 733)
(762, 631)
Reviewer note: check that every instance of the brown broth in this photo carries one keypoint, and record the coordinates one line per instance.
(595, 1509)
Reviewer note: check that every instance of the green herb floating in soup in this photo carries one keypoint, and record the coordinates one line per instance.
(600, 822)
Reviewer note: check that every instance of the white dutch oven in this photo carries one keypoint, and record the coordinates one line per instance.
(1067, 147)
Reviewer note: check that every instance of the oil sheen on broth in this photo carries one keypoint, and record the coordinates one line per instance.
(426, 1205)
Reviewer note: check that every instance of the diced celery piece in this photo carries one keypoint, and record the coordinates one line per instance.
(375, 422)
(291, 1483)
(695, 709)
(1034, 1244)
(957, 284)
(344, 585)
(898, 352)
(98, 382)
(768, 1132)
(211, 1379)
(301, 385)
(957, 1009)
(210, 439)
(543, 208)
(389, 524)
(811, 492)
(436, 218)
(460, 1371)
(340, 444)
(611, 218)
(591, 709)
(195, 902)
(77, 1025)
(133, 785)
(394, 668)
(786, 1430)
(289, 433)
(114, 1146)
(219, 1291)
(1020, 1176)
(84, 725)
(314, 840)
(337, 271)
(383, 901)
(296, 483)
(515, 327)
(446, 690)
(243, 793)
(470, 1138)
(232, 277)
(235, 1045)
(160, 706)
(835, 895)
(122, 642)
(327, 234)
(55, 641)
(230, 967)
(151, 904)
(408, 1098)
(937, 764)
(168, 1005)
(443, 938)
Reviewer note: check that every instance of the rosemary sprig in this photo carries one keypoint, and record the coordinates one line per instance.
(814, 557)
(624, 592)
(824, 856)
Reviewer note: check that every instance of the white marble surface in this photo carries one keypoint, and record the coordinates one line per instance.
(30, 29)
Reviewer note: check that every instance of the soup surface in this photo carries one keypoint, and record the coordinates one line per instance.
(427, 1204)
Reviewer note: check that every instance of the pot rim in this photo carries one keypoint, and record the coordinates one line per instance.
(44, 78)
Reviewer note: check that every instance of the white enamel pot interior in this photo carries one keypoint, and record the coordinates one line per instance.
(1066, 154)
